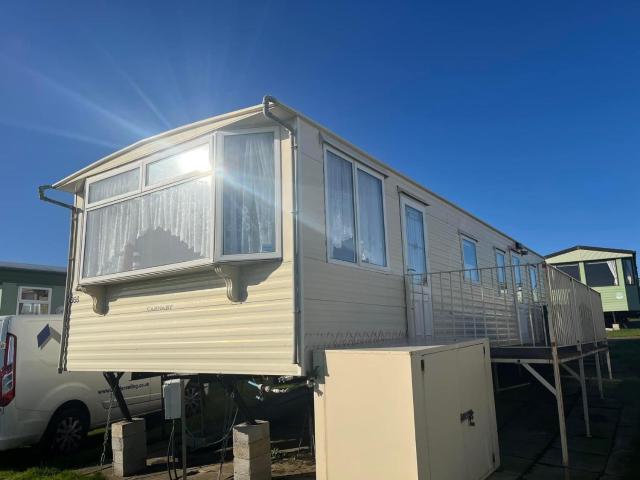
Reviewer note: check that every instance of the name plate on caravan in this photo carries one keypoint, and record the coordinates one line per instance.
(159, 308)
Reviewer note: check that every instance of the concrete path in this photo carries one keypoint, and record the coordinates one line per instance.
(530, 445)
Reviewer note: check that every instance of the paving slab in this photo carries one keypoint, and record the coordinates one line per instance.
(578, 460)
(583, 444)
(620, 462)
(547, 472)
(511, 464)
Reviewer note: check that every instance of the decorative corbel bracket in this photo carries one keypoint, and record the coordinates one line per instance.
(99, 295)
(232, 276)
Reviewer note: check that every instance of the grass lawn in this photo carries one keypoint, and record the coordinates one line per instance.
(46, 474)
(624, 333)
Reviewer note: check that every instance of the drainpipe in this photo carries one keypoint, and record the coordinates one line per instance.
(70, 264)
(267, 101)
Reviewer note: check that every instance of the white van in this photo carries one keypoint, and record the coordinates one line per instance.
(37, 404)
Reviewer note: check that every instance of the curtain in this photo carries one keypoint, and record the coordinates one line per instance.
(371, 220)
(113, 186)
(340, 209)
(169, 226)
(249, 213)
(614, 272)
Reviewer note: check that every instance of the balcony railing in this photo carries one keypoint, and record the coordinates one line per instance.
(526, 305)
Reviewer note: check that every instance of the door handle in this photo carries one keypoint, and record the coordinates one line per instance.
(467, 417)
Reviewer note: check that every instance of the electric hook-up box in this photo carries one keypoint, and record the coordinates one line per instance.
(172, 394)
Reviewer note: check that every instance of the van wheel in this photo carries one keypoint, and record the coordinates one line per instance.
(67, 430)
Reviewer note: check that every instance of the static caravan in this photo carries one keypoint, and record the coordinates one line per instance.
(241, 243)
(254, 242)
(610, 271)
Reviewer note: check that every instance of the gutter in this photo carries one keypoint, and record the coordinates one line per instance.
(267, 102)
(66, 314)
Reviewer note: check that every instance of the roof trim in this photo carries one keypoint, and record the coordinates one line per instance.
(144, 141)
(32, 267)
(258, 109)
(586, 247)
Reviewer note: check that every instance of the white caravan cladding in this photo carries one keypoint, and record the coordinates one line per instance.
(241, 243)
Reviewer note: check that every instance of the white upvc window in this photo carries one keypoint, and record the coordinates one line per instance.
(157, 214)
(354, 212)
(34, 301)
(469, 259)
(501, 270)
(248, 195)
(533, 280)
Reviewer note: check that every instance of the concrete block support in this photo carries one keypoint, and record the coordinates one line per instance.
(129, 445)
(252, 451)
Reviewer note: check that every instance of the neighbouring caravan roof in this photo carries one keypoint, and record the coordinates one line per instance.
(72, 182)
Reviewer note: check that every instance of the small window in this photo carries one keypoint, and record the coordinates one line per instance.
(114, 186)
(517, 271)
(470, 260)
(533, 279)
(629, 271)
(186, 162)
(501, 271)
(573, 270)
(34, 301)
(601, 274)
(353, 192)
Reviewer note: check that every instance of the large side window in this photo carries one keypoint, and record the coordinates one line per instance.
(571, 269)
(340, 209)
(629, 271)
(250, 194)
(533, 281)
(470, 260)
(355, 212)
(601, 274)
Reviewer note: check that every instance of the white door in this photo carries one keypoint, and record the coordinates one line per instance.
(416, 267)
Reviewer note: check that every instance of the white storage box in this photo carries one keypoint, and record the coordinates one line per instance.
(408, 412)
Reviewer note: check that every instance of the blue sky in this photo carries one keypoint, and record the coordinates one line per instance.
(525, 113)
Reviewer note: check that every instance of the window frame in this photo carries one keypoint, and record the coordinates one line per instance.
(577, 265)
(465, 237)
(512, 255)
(218, 166)
(499, 251)
(355, 165)
(406, 201)
(634, 273)
(141, 191)
(535, 291)
(606, 261)
(39, 302)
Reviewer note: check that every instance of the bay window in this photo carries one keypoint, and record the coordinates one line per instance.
(354, 198)
(158, 214)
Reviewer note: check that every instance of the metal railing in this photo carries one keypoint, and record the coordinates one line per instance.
(529, 305)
